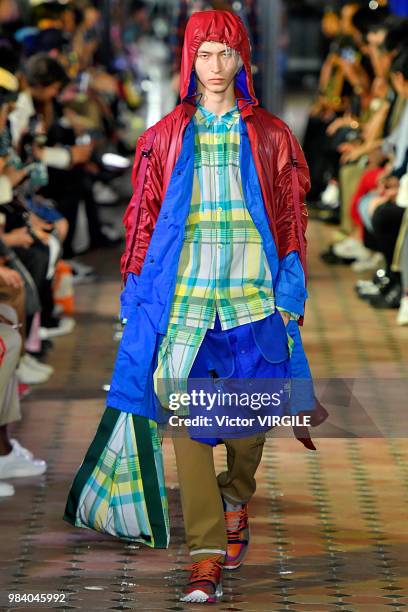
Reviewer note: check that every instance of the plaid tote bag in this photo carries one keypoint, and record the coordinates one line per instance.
(119, 488)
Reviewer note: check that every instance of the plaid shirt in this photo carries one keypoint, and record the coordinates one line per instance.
(222, 265)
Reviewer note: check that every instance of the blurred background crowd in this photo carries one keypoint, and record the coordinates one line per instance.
(356, 144)
(80, 80)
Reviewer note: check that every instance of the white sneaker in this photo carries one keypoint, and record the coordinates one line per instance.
(37, 365)
(367, 288)
(104, 194)
(111, 232)
(30, 376)
(364, 264)
(331, 195)
(20, 449)
(350, 248)
(17, 465)
(66, 325)
(6, 489)
(80, 278)
(80, 268)
(402, 316)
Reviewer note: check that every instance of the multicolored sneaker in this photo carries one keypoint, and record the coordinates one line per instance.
(238, 537)
(204, 584)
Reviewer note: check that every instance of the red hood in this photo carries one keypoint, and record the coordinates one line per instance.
(219, 26)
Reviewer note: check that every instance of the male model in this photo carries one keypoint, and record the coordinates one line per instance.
(214, 270)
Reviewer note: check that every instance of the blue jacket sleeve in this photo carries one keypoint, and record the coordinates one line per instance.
(128, 297)
(302, 395)
(290, 290)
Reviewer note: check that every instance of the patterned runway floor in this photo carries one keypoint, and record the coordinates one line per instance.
(329, 528)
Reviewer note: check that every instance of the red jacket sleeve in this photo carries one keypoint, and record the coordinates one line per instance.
(286, 220)
(140, 217)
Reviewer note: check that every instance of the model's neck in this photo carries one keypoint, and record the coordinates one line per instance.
(217, 103)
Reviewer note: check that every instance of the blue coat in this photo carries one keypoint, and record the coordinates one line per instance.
(147, 299)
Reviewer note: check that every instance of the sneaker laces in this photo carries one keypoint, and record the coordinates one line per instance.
(236, 522)
(206, 570)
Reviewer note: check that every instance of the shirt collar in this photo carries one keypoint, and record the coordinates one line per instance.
(208, 118)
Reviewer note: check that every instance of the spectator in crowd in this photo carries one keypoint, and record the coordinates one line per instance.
(400, 262)
(60, 108)
(15, 460)
(356, 144)
(30, 236)
(58, 111)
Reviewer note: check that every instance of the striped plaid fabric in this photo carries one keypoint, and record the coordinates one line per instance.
(176, 355)
(222, 263)
(120, 496)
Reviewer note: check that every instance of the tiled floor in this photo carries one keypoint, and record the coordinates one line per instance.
(329, 529)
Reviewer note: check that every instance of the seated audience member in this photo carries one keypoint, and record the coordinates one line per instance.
(400, 259)
(15, 460)
(29, 243)
(359, 150)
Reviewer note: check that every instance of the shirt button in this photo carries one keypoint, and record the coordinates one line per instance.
(243, 351)
(219, 209)
(220, 246)
(219, 171)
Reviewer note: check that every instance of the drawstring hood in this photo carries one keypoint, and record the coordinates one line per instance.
(216, 26)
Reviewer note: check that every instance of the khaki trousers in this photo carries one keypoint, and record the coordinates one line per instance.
(201, 488)
(349, 178)
(9, 400)
(16, 299)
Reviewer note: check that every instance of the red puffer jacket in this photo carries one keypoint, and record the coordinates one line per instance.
(279, 159)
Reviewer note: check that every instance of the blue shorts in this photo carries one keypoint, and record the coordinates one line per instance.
(231, 360)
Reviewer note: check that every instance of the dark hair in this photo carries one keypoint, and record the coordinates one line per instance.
(78, 14)
(383, 24)
(365, 18)
(9, 55)
(42, 70)
(50, 39)
(48, 10)
(397, 35)
(137, 5)
(400, 64)
(10, 61)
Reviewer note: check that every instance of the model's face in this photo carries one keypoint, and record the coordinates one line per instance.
(216, 66)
